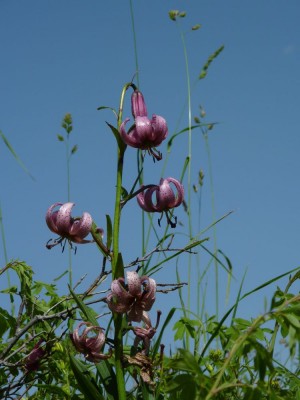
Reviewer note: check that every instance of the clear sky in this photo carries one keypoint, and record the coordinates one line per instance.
(74, 56)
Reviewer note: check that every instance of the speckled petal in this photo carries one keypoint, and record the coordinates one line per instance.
(64, 221)
(96, 342)
(180, 191)
(149, 292)
(116, 306)
(165, 196)
(51, 217)
(119, 300)
(134, 283)
(143, 132)
(160, 129)
(82, 227)
(144, 199)
(119, 291)
(136, 312)
(128, 138)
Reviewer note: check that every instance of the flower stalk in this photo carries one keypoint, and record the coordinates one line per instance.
(117, 265)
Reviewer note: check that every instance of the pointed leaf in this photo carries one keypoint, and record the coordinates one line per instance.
(86, 310)
(8, 145)
(108, 231)
(86, 381)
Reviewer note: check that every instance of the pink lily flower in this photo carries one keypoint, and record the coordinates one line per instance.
(145, 134)
(90, 347)
(166, 199)
(134, 298)
(63, 224)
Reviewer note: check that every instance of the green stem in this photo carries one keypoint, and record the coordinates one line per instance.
(214, 219)
(117, 265)
(69, 195)
(6, 261)
(189, 168)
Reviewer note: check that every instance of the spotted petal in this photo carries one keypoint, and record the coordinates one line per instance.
(82, 227)
(51, 217)
(63, 221)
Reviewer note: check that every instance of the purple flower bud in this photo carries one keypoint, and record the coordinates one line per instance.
(166, 199)
(61, 222)
(145, 134)
(134, 298)
(138, 105)
(90, 347)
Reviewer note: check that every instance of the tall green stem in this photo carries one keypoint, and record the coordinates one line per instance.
(117, 265)
(68, 155)
(6, 261)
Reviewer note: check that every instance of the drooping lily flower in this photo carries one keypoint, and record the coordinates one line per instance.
(145, 134)
(166, 199)
(33, 359)
(146, 333)
(90, 347)
(134, 298)
(63, 224)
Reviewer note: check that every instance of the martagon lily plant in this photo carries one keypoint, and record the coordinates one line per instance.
(130, 300)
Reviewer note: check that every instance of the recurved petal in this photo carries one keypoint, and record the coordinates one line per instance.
(51, 217)
(160, 129)
(63, 221)
(145, 201)
(134, 283)
(96, 342)
(136, 312)
(82, 227)
(149, 292)
(141, 201)
(116, 306)
(165, 196)
(128, 138)
(180, 191)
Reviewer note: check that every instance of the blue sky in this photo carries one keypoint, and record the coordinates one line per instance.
(74, 56)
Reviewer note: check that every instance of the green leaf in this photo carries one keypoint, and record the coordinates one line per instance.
(108, 108)
(158, 341)
(196, 27)
(89, 314)
(124, 193)
(60, 138)
(6, 322)
(74, 149)
(116, 134)
(203, 72)
(293, 320)
(10, 148)
(11, 290)
(86, 381)
(53, 389)
(108, 231)
(173, 14)
(108, 379)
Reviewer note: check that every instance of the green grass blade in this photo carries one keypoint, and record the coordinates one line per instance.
(157, 343)
(86, 382)
(17, 158)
